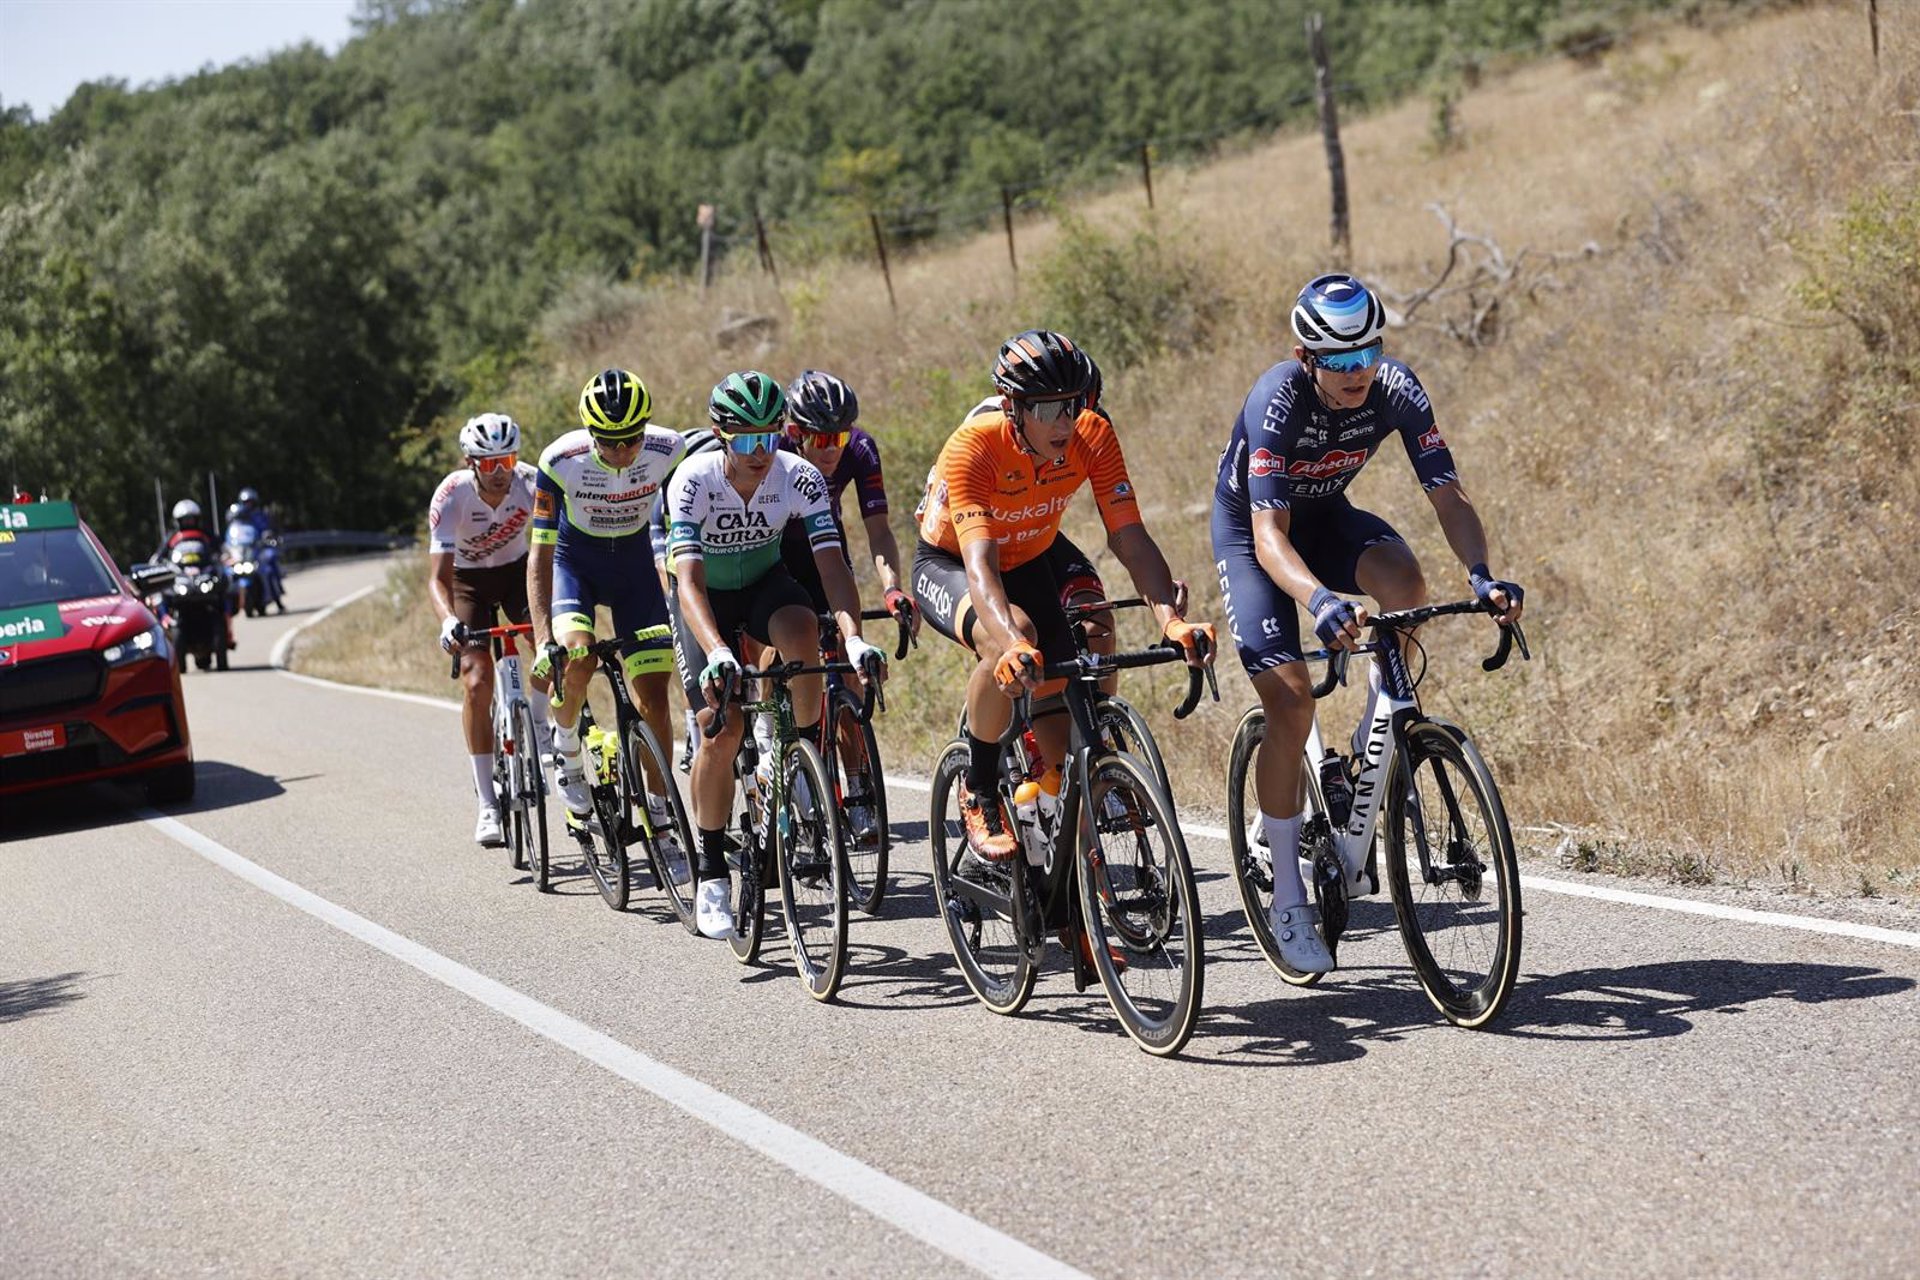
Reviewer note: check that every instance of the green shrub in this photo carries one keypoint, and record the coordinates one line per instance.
(1125, 299)
(1868, 270)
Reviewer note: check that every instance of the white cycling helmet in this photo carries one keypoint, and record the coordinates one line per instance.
(489, 435)
(1337, 313)
(184, 510)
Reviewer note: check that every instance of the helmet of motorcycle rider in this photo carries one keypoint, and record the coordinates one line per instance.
(186, 512)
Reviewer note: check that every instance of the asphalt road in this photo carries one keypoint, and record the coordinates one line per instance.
(305, 1027)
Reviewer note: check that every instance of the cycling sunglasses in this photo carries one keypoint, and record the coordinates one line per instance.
(748, 443)
(499, 462)
(620, 442)
(1350, 361)
(1054, 410)
(818, 439)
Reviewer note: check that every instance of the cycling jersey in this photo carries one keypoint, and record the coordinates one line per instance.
(738, 539)
(987, 485)
(1288, 449)
(478, 536)
(577, 494)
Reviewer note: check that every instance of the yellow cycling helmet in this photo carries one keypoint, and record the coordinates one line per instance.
(615, 405)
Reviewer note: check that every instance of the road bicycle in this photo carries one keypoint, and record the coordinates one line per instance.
(851, 754)
(1106, 870)
(1121, 725)
(1450, 862)
(785, 828)
(618, 766)
(519, 782)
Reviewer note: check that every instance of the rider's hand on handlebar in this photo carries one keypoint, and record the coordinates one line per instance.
(722, 671)
(1336, 621)
(1013, 673)
(449, 625)
(867, 660)
(1194, 637)
(900, 604)
(1504, 599)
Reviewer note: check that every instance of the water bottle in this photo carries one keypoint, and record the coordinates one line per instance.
(1026, 804)
(1335, 788)
(1049, 799)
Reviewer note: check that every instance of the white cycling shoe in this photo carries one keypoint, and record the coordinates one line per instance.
(1297, 931)
(486, 830)
(712, 913)
(660, 815)
(570, 779)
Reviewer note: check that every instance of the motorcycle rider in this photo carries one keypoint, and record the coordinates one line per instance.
(190, 546)
(246, 509)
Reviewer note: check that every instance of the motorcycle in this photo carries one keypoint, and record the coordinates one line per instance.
(196, 610)
(253, 560)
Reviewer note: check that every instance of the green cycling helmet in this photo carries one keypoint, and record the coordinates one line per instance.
(746, 403)
(615, 405)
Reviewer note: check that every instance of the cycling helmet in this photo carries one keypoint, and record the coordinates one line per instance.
(489, 435)
(1337, 313)
(819, 401)
(1093, 385)
(746, 402)
(615, 405)
(248, 496)
(186, 511)
(1042, 365)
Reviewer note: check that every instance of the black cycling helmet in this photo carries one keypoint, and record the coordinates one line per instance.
(1042, 365)
(615, 405)
(818, 401)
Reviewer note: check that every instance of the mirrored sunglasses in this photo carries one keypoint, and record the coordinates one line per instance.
(752, 442)
(818, 439)
(1351, 361)
(1055, 410)
(499, 462)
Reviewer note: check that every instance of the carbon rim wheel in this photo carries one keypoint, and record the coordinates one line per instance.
(866, 787)
(1454, 876)
(606, 851)
(1246, 840)
(748, 865)
(669, 850)
(1140, 907)
(813, 887)
(1124, 729)
(973, 899)
(531, 779)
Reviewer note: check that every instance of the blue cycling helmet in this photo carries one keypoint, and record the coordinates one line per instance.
(1337, 313)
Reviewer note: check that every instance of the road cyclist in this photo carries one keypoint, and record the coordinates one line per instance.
(1285, 534)
(593, 497)
(727, 513)
(477, 529)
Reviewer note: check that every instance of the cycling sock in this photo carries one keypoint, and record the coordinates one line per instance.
(1283, 840)
(712, 862)
(538, 704)
(566, 739)
(483, 781)
(983, 766)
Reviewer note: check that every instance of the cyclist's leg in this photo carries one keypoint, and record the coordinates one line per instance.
(474, 594)
(1080, 586)
(639, 610)
(784, 618)
(711, 781)
(513, 603)
(1358, 553)
(575, 595)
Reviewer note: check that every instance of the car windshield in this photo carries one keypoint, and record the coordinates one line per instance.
(44, 566)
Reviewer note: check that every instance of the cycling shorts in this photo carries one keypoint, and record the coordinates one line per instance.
(479, 593)
(797, 557)
(747, 609)
(1264, 620)
(940, 588)
(617, 573)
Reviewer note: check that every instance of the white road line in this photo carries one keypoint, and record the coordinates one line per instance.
(283, 647)
(964, 1239)
(1621, 897)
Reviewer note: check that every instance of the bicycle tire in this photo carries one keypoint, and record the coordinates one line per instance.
(1137, 894)
(813, 882)
(533, 799)
(671, 858)
(866, 870)
(1124, 729)
(1253, 866)
(506, 794)
(991, 956)
(1464, 949)
(606, 852)
(747, 886)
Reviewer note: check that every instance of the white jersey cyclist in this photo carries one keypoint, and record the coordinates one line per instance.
(738, 538)
(477, 535)
(577, 493)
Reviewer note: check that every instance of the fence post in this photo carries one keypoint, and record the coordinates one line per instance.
(880, 246)
(1146, 169)
(705, 220)
(1006, 212)
(1330, 134)
(1873, 28)
(766, 251)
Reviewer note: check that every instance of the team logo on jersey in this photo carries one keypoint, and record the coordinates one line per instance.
(1431, 441)
(1264, 462)
(1327, 465)
(1122, 489)
(542, 505)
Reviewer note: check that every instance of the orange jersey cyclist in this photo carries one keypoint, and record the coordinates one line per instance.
(990, 564)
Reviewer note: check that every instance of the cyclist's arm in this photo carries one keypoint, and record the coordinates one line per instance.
(886, 552)
(843, 596)
(440, 582)
(1460, 521)
(1135, 548)
(540, 592)
(987, 593)
(694, 609)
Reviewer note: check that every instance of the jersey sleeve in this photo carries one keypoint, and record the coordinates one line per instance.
(1426, 447)
(548, 503)
(811, 506)
(685, 507)
(1106, 469)
(1270, 425)
(867, 484)
(967, 472)
(441, 529)
(657, 528)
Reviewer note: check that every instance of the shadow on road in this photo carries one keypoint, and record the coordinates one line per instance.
(91, 806)
(22, 998)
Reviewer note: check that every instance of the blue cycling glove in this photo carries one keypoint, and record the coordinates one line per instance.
(1331, 615)
(1485, 584)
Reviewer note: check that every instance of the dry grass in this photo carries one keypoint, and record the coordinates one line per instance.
(1722, 683)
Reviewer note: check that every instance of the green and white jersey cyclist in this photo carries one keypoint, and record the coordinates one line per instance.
(727, 511)
(594, 494)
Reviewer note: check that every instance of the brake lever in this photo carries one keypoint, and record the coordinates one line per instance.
(727, 688)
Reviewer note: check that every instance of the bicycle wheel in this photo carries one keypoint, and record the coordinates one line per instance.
(813, 886)
(975, 899)
(1123, 729)
(1247, 842)
(748, 864)
(1454, 876)
(603, 841)
(669, 849)
(1140, 906)
(859, 788)
(531, 788)
(506, 794)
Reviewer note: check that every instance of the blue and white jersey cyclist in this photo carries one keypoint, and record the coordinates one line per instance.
(727, 511)
(1285, 533)
(592, 499)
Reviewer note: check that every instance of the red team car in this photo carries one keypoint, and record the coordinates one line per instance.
(88, 688)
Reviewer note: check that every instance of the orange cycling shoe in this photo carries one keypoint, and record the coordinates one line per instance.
(1086, 950)
(985, 822)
